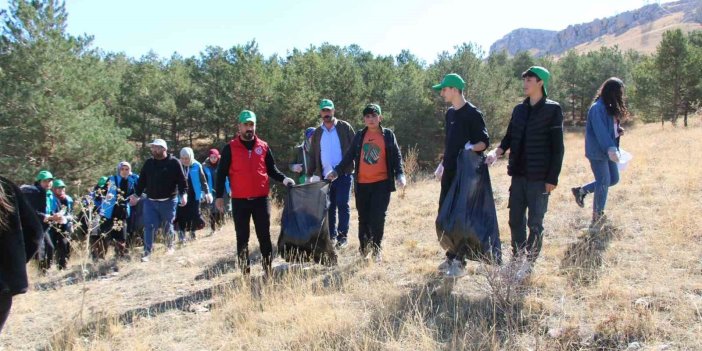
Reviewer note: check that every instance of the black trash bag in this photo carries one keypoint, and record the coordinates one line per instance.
(467, 220)
(304, 227)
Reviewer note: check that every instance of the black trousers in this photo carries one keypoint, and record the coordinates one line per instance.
(523, 195)
(5, 305)
(243, 210)
(109, 232)
(372, 200)
(62, 246)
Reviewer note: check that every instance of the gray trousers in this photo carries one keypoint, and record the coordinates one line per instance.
(527, 195)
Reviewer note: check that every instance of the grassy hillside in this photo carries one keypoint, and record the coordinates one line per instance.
(639, 281)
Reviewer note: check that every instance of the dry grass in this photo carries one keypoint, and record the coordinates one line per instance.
(639, 282)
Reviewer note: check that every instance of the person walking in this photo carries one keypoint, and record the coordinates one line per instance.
(602, 135)
(378, 161)
(248, 160)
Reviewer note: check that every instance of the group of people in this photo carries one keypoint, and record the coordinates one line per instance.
(35, 220)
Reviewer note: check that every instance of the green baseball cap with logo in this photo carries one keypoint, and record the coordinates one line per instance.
(247, 116)
(543, 74)
(451, 80)
(44, 175)
(370, 108)
(58, 183)
(326, 104)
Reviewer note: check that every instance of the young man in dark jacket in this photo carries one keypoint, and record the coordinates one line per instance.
(330, 142)
(535, 138)
(163, 180)
(465, 130)
(378, 161)
(21, 233)
(249, 163)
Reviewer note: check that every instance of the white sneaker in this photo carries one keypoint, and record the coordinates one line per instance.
(523, 271)
(145, 258)
(456, 270)
(170, 251)
(444, 266)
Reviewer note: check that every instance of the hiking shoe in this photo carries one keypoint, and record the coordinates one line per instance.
(456, 270)
(377, 257)
(145, 258)
(444, 266)
(340, 245)
(523, 271)
(579, 196)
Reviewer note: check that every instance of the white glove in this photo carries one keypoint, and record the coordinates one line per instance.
(208, 198)
(63, 220)
(402, 180)
(468, 146)
(313, 179)
(439, 171)
(331, 176)
(183, 200)
(613, 155)
(297, 168)
(288, 182)
(491, 157)
(133, 200)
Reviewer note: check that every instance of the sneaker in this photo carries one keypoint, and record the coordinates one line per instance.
(170, 251)
(377, 257)
(523, 271)
(145, 258)
(192, 236)
(457, 269)
(340, 245)
(444, 266)
(579, 196)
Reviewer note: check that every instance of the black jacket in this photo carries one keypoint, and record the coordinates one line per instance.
(161, 179)
(19, 240)
(535, 138)
(393, 157)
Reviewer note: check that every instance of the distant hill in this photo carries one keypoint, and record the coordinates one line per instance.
(640, 30)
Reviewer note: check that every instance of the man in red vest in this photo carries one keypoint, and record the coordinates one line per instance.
(248, 162)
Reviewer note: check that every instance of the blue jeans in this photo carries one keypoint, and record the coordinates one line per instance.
(156, 215)
(606, 175)
(339, 195)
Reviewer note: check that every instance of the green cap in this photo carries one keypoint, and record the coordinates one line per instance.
(370, 108)
(451, 80)
(326, 103)
(247, 116)
(44, 175)
(543, 74)
(58, 183)
(102, 181)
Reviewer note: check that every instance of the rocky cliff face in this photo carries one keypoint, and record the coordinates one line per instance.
(541, 42)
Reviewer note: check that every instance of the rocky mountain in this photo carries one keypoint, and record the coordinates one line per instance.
(639, 29)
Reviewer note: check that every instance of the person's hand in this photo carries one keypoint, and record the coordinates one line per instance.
(313, 179)
(133, 199)
(491, 157)
(288, 181)
(468, 146)
(208, 198)
(550, 188)
(613, 155)
(47, 218)
(297, 168)
(183, 200)
(219, 204)
(439, 172)
(331, 176)
(402, 181)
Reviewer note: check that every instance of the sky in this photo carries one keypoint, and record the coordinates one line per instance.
(386, 27)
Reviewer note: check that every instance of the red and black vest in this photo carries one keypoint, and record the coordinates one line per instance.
(248, 176)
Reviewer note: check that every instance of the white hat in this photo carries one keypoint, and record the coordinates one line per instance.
(159, 142)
